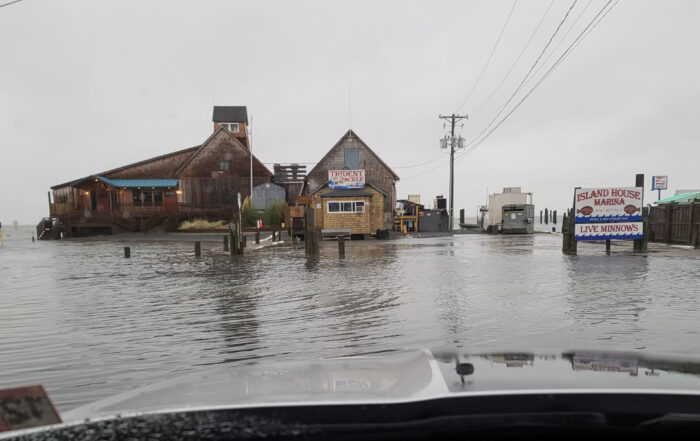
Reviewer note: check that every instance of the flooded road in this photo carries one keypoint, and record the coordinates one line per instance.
(86, 323)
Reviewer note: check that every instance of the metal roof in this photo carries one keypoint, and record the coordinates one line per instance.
(135, 183)
(683, 197)
(341, 192)
(230, 114)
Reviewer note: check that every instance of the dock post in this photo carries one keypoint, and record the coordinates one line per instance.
(554, 217)
(540, 217)
(607, 246)
(309, 231)
(225, 243)
(546, 216)
(257, 236)
(239, 237)
(245, 242)
(127, 252)
(639, 182)
(646, 231)
(235, 242)
(232, 240)
(197, 249)
(341, 246)
(315, 237)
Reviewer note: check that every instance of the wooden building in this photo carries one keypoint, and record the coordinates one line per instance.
(362, 199)
(201, 181)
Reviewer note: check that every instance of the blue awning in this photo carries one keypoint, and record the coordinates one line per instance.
(135, 183)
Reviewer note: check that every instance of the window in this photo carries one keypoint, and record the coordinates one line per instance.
(231, 127)
(346, 207)
(352, 158)
(158, 197)
(223, 166)
(147, 197)
(136, 197)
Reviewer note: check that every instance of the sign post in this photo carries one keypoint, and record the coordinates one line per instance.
(659, 183)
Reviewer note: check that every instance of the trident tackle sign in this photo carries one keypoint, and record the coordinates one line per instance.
(608, 213)
(346, 179)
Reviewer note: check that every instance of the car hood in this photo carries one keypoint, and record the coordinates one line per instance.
(403, 377)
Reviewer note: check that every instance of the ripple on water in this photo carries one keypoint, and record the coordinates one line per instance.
(87, 323)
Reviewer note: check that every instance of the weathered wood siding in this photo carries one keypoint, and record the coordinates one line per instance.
(241, 134)
(360, 223)
(376, 173)
(203, 183)
(157, 168)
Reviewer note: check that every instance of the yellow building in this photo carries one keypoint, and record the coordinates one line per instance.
(360, 210)
(352, 190)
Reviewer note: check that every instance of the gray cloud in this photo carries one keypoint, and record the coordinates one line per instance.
(87, 86)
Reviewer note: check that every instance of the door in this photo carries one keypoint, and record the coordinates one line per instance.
(170, 201)
(103, 201)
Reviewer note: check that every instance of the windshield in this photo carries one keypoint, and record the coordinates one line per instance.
(189, 186)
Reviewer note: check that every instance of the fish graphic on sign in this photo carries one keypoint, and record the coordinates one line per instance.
(586, 211)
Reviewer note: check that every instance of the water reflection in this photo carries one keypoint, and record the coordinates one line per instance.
(87, 323)
(607, 288)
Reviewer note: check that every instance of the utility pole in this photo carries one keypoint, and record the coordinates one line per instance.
(454, 143)
(250, 148)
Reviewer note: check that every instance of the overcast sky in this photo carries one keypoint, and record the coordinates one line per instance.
(86, 86)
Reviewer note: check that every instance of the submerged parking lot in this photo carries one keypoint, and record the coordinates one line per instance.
(86, 323)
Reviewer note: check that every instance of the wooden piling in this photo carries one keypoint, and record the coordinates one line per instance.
(315, 239)
(197, 249)
(568, 229)
(607, 246)
(646, 231)
(341, 246)
(225, 243)
(546, 216)
(235, 238)
(308, 230)
(127, 252)
(232, 240)
(541, 217)
(257, 237)
(639, 182)
(244, 241)
(554, 217)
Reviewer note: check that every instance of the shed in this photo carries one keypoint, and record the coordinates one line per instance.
(433, 221)
(518, 219)
(265, 195)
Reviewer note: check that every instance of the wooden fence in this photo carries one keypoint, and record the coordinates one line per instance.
(675, 223)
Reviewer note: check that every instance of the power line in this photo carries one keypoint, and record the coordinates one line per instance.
(488, 60)
(422, 163)
(424, 172)
(561, 23)
(10, 3)
(587, 30)
(517, 59)
(563, 38)
(544, 63)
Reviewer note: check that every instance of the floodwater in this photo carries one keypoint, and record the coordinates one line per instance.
(86, 323)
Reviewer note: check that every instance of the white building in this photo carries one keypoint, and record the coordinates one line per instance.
(510, 196)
